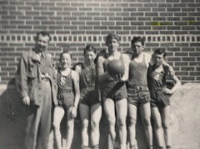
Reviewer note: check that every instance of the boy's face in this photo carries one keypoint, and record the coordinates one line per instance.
(113, 45)
(65, 60)
(158, 59)
(137, 48)
(42, 43)
(90, 56)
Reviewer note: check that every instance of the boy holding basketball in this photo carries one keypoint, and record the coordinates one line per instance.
(113, 89)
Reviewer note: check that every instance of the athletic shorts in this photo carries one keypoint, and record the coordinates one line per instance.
(138, 95)
(89, 97)
(65, 99)
(113, 90)
(159, 99)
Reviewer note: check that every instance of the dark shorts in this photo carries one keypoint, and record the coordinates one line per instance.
(66, 99)
(115, 91)
(138, 95)
(89, 97)
(159, 99)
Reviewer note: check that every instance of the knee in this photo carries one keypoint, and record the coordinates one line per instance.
(146, 122)
(165, 125)
(158, 126)
(122, 122)
(56, 126)
(132, 121)
(94, 125)
(84, 124)
(111, 121)
(70, 125)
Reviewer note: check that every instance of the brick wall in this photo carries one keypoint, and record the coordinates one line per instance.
(173, 24)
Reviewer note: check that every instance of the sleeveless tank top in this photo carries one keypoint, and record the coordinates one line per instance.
(157, 80)
(65, 85)
(137, 73)
(87, 77)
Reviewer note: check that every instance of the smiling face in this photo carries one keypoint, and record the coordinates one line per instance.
(89, 57)
(41, 43)
(137, 48)
(65, 60)
(113, 45)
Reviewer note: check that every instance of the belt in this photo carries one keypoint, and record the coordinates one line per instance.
(138, 88)
(45, 78)
(65, 91)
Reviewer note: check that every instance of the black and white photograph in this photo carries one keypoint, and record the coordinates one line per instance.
(99, 74)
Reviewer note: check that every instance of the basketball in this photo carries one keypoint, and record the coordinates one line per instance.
(115, 67)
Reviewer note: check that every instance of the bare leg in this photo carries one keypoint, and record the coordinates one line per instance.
(57, 117)
(165, 113)
(158, 126)
(132, 109)
(96, 112)
(121, 107)
(109, 107)
(84, 114)
(145, 111)
(70, 129)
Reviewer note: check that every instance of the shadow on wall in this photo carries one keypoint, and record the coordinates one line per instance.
(13, 121)
(185, 120)
(12, 118)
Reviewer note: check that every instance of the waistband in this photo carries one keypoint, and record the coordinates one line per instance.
(64, 91)
(138, 88)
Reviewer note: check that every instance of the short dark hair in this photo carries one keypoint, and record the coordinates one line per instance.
(90, 48)
(43, 33)
(160, 51)
(65, 52)
(137, 39)
(111, 36)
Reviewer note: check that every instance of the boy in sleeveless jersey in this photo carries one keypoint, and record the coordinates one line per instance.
(160, 103)
(90, 106)
(68, 99)
(113, 89)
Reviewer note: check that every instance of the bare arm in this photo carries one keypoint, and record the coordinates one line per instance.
(100, 70)
(177, 83)
(176, 80)
(126, 61)
(78, 69)
(75, 78)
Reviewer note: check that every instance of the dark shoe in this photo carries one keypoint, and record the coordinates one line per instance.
(168, 147)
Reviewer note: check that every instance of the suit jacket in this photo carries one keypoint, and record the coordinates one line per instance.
(30, 71)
